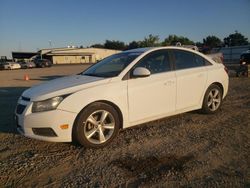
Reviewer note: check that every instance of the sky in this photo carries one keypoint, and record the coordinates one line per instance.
(29, 25)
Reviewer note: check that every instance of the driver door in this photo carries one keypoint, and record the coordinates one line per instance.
(153, 96)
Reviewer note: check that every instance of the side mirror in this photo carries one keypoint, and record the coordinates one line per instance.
(141, 72)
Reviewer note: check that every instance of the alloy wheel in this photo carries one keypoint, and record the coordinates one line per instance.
(99, 127)
(214, 99)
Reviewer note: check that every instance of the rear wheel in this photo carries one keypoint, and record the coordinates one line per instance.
(96, 126)
(212, 100)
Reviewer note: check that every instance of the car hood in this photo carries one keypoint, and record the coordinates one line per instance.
(62, 86)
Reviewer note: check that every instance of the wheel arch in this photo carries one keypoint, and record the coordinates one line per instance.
(106, 102)
(219, 85)
(214, 83)
(116, 108)
(204, 107)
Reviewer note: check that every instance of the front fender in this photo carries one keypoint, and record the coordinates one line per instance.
(114, 92)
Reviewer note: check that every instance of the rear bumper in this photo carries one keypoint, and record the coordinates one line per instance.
(28, 123)
(225, 87)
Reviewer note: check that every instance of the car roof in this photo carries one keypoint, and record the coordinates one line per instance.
(138, 50)
(149, 49)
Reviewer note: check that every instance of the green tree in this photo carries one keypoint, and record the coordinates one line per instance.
(134, 44)
(212, 42)
(150, 41)
(173, 39)
(115, 45)
(97, 46)
(236, 39)
(199, 44)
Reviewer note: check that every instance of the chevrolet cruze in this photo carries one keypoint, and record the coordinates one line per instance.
(121, 91)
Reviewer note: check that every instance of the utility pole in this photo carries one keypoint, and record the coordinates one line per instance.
(50, 43)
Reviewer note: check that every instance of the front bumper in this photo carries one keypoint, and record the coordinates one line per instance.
(28, 123)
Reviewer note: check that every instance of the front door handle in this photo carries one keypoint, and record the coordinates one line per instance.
(200, 75)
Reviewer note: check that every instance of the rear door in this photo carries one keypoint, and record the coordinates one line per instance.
(191, 78)
(154, 95)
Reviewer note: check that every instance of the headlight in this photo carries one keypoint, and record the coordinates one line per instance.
(46, 105)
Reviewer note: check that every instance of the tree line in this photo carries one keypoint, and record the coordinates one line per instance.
(234, 39)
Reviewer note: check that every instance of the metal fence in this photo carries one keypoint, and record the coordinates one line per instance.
(232, 54)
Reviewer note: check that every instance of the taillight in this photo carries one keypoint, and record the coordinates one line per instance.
(226, 69)
(222, 58)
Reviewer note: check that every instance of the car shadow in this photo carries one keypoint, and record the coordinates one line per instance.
(8, 101)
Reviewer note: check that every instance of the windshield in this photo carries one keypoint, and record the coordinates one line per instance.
(111, 66)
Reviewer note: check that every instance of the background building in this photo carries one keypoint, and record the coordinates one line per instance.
(69, 55)
(75, 55)
(26, 56)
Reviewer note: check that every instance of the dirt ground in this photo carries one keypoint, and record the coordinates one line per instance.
(187, 150)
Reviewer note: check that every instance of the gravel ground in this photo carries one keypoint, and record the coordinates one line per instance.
(187, 150)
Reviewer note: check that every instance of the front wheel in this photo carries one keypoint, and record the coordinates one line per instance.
(212, 100)
(96, 126)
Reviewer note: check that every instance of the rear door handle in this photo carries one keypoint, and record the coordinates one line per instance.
(169, 83)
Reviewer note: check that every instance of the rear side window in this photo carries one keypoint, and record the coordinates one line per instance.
(185, 60)
(201, 61)
(155, 62)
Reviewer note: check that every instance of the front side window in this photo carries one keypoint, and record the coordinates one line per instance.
(111, 66)
(185, 60)
(155, 62)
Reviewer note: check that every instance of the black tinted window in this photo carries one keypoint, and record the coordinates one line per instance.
(185, 60)
(200, 61)
(245, 56)
(155, 62)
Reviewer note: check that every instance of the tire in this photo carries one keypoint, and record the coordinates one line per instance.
(91, 131)
(212, 100)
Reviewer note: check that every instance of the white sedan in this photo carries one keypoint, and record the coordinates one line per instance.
(11, 65)
(121, 91)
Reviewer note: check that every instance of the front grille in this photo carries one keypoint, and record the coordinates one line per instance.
(20, 108)
(25, 98)
(44, 132)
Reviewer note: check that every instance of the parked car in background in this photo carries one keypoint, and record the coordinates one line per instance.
(26, 65)
(244, 63)
(193, 47)
(1, 65)
(245, 57)
(121, 91)
(42, 63)
(10, 65)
